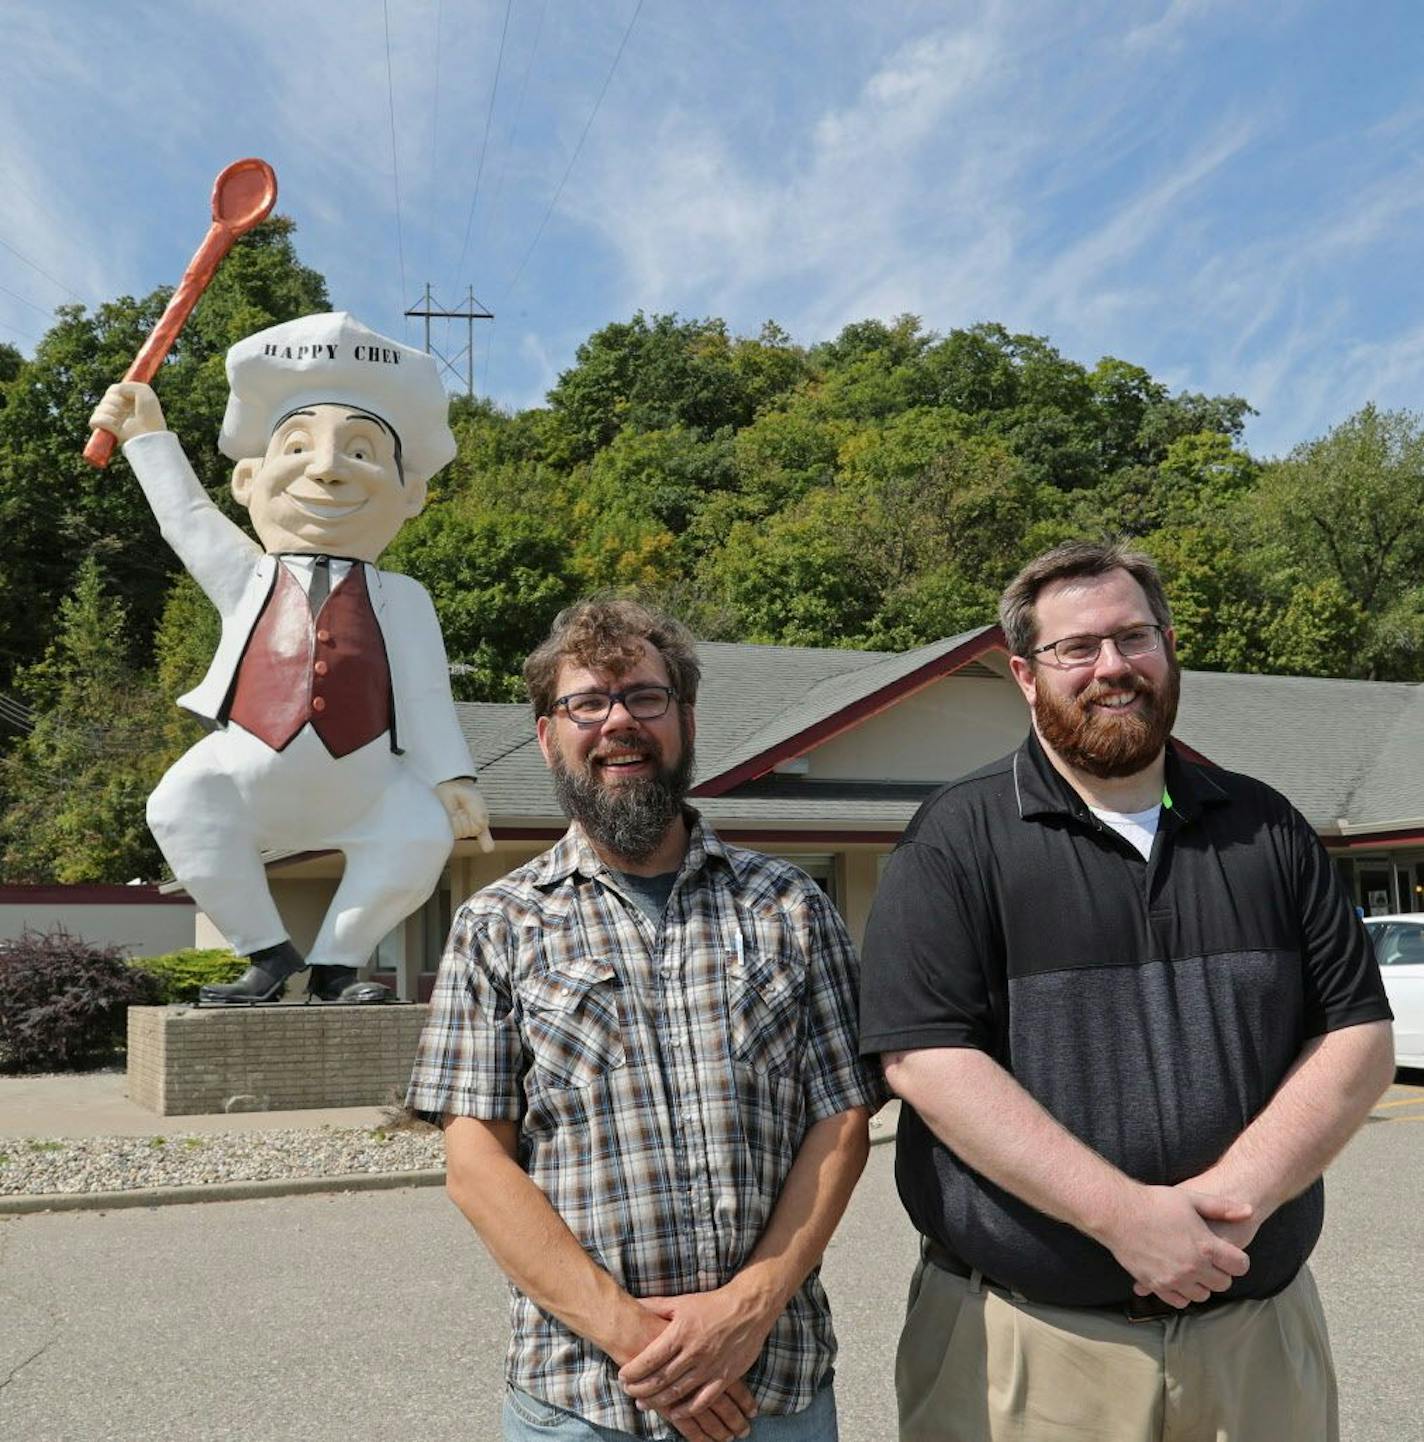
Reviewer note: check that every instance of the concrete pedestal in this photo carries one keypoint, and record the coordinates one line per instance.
(183, 1060)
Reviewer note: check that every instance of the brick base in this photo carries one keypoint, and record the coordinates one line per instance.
(185, 1060)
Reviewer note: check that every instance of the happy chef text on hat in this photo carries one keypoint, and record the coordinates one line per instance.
(332, 359)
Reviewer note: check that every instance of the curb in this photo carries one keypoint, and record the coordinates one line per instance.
(882, 1129)
(217, 1192)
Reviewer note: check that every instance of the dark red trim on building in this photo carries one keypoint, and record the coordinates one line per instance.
(1374, 840)
(852, 715)
(92, 894)
(528, 833)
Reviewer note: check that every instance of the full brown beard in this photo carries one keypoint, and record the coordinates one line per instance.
(1102, 744)
(631, 818)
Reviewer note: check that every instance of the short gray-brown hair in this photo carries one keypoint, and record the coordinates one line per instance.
(1071, 560)
(603, 634)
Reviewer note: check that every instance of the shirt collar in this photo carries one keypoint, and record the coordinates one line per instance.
(316, 556)
(573, 854)
(1042, 791)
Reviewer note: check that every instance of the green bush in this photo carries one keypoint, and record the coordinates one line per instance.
(64, 1002)
(181, 973)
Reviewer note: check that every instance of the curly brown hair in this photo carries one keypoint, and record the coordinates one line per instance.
(603, 634)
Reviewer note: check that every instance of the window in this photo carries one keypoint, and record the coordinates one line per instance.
(1398, 943)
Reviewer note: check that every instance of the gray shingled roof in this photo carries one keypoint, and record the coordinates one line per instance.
(1337, 749)
(1393, 787)
(824, 697)
(1319, 741)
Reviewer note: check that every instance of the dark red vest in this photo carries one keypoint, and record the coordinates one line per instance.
(330, 670)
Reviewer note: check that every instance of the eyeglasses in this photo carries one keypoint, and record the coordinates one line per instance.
(642, 703)
(1074, 651)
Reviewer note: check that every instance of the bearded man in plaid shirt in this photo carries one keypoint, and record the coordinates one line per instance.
(642, 1047)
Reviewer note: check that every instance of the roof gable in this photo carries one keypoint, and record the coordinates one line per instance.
(837, 703)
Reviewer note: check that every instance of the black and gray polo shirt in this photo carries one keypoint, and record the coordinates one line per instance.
(1152, 1006)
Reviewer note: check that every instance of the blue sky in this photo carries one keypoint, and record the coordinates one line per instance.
(1231, 195)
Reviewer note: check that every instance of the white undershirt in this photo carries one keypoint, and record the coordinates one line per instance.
(303, 567)
(1135, 827)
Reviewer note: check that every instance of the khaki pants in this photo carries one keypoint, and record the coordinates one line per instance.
(976, 1364)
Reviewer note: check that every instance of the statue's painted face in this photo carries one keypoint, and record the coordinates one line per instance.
(330, 483)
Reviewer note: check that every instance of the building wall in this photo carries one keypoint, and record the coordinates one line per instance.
(952, 727)
(141, 922)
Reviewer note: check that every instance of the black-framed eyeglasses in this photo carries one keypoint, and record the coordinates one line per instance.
(642, 703)
(1073, 651)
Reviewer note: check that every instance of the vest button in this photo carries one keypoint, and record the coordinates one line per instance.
(323, 635)
(318, 703)
(321, 668)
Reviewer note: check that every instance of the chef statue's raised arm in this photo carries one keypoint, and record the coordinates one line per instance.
(332, 723)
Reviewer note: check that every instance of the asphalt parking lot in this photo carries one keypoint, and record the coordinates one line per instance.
(376, 1315)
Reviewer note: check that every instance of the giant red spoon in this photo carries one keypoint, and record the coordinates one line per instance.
(243, 196)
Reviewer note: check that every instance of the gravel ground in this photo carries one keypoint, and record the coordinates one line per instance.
(45, 1165)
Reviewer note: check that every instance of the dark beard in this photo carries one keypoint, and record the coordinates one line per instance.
(1108, 746)
(630, 819)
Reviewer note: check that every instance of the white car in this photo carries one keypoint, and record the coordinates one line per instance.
(1399, 945)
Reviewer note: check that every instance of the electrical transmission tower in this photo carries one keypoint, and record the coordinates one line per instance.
(470, 313)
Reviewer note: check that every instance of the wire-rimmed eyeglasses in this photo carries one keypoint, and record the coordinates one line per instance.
(1073, 651)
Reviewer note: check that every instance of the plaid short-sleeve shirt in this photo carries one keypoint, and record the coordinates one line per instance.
(663, 1076)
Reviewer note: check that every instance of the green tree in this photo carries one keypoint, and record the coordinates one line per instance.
(497, 580)
(1346, 508)
(799, 578)
(76, 786)
(1199, 475)
(652, 375)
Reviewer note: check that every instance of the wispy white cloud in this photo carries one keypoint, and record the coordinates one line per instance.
(1171, 26)
(1137, 179)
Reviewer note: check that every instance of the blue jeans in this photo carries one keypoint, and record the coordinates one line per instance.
(527, 1419)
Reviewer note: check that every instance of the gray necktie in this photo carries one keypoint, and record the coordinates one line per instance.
(321, 583)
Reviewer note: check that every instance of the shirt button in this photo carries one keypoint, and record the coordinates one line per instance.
(321, 668)
(318, 703)
(323, 635)
(666, 968)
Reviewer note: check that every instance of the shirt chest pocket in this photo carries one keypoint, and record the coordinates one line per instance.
(765, 995)
(571, 1022)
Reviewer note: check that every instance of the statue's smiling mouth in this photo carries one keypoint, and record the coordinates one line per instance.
(323, 510)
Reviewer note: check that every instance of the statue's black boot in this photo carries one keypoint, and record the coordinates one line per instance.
(266, 976)
(338, 983)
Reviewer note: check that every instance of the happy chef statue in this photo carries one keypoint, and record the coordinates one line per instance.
(329, 695)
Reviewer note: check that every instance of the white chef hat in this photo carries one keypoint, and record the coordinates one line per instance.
(333, 359)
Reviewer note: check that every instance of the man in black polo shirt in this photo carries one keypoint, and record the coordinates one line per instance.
(1134, 1017)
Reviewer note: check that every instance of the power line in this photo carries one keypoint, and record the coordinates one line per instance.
(395, 163)
(34, 265)
(23, 334)
(16, 713)
(484, 144)
(434, 228)
(504, 168)
(14, 295)
(568, 170)
(519, 102)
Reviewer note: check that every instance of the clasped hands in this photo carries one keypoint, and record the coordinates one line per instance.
(691, 1370)
(1184, 1243)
